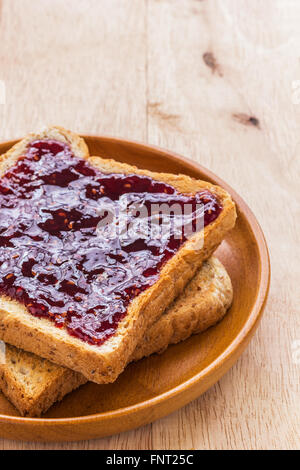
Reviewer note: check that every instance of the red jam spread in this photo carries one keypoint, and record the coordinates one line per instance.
(56, 260)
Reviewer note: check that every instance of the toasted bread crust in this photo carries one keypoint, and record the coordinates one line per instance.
(33, 384)
(56, 133)
(103, 364)
(203, 303)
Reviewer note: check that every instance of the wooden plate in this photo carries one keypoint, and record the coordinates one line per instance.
(158, 385)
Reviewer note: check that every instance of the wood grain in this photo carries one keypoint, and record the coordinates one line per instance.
(137, 69)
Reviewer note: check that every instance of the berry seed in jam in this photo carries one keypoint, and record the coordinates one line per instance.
(56, 260)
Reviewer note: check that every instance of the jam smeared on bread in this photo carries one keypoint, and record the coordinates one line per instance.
(53, 258)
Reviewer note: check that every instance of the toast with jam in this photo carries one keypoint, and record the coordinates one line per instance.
(92, 251)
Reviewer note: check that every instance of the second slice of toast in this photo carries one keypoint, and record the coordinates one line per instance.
(26, 326)
(33, 384)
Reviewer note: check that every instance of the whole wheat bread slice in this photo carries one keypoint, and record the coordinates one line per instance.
(33, 384)
(103, 364)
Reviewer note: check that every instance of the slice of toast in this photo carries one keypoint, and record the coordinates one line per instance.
(103, 363)
(33, 384)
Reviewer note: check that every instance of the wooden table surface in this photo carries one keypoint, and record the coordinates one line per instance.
(217, 81)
